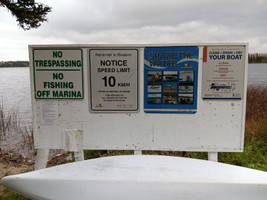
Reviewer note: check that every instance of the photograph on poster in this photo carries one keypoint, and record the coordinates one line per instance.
(154, 88)
(170, 98)
(186, 99)
(169, 87)
(186, 87)
(186, 76)
(154, 77)
(170, 76)
(154, 98)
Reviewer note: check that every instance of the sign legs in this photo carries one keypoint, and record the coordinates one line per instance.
(213, 156)
(137, 152)
(41, 159)
(78, 155)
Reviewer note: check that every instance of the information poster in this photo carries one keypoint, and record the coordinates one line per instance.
(114, 80)
(171, 79)
(49, 112)
(223, 72)
(58, 73)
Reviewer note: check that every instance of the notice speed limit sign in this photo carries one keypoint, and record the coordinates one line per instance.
(113, 80)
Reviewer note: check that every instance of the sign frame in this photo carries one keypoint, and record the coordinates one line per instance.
(223, 76)
(57, 49)
(184, 89)
(117, 109)
(217, 126)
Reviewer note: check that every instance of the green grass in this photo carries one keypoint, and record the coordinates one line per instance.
(254, 156)
(9, 195)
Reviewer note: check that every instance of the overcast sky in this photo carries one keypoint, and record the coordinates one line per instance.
(139, 22)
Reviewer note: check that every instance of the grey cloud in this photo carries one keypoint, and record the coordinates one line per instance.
(145, 21)
(88, 16)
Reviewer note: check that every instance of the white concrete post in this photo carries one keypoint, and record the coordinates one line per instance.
(78, 155)
(41, 159)
(137, 152)
(213, 156)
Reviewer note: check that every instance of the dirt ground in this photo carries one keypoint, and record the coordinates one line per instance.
(13, 163)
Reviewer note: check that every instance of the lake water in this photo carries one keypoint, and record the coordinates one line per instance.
(15, 87)
(257, 74)
(15, 93)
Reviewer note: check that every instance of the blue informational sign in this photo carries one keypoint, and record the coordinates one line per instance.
(171, 79)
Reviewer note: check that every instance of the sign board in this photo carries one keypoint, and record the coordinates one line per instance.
(170, 79)
(223, 72)
(113, 80)
(139, 97)
(58, 73)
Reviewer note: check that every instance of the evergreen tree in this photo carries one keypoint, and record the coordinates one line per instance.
(29, 14)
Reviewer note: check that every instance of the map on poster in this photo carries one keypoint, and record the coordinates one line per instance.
(170, 79)
(114, 80)
(223, 72)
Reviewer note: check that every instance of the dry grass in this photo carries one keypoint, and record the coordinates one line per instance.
(256, 113)
(11, 124)
(256, 103)
(8, 120)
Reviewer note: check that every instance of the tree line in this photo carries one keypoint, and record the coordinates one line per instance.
(14, 64)
(257, 58)
(252, 58)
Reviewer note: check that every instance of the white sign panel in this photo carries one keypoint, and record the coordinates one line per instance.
(58, 73)
(114, 80)
(223, 72)
(118, 83)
